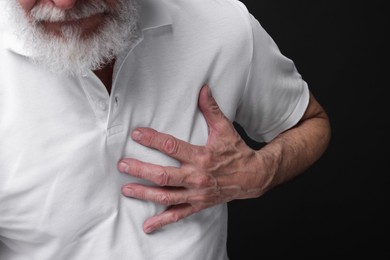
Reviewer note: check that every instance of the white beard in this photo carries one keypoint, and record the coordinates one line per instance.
(72, 52)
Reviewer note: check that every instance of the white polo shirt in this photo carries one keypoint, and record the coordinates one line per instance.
(61, 137)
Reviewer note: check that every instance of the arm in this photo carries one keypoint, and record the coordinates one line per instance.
(225, 168)
(295, 150)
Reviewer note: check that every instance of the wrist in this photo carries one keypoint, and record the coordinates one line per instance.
(269, 161)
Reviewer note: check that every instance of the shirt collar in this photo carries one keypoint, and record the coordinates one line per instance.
(10, 41)
(153, 15)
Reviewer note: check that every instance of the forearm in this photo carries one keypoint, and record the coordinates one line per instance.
(295, 150)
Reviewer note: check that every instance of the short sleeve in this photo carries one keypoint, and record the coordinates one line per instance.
(275, 95)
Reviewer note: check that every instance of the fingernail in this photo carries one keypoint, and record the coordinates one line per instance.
(127, 191)
(148, 230)
(136, 135)
(123, 167)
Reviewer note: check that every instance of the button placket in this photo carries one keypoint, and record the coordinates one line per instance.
(102, 104)
(97, 95)
(115, 126)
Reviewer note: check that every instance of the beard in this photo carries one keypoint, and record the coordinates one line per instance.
(71, 50)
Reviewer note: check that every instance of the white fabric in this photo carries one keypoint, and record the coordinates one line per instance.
(61, 136)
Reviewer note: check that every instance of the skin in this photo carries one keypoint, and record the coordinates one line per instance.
(223, 170)
(89, 26)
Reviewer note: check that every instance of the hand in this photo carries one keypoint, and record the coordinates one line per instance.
(223, 170)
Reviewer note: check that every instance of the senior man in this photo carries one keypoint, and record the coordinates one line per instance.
(116, 134)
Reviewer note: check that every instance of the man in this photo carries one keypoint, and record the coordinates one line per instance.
(116, 126)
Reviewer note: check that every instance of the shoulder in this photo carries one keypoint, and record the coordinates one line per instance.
(207, 5)
(216, 15)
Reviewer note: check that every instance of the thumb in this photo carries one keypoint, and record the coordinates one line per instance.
(209, 108)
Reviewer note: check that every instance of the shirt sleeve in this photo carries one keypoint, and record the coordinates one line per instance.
(275, 95)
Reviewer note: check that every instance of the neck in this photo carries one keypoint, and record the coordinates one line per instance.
(105, 75)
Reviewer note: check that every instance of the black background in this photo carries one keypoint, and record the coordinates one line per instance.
(339, 206)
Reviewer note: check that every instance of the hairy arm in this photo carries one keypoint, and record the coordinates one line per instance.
(295, 150)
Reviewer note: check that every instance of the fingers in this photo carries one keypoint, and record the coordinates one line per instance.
(167, 176)
(183, 208)
(169, 196)
(164, 196)
(171, 215)
(181, 202)
(160, 175)
(180, 205)
(196, 184)
(181, 150)
(165, 143)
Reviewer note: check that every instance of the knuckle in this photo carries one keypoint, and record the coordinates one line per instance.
(136, 169)
(147, 139)
(203, 181)
(175, 217)
(165, 199)
(170, 146)
(162, 178)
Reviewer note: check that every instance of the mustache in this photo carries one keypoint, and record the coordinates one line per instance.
(82, 9)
